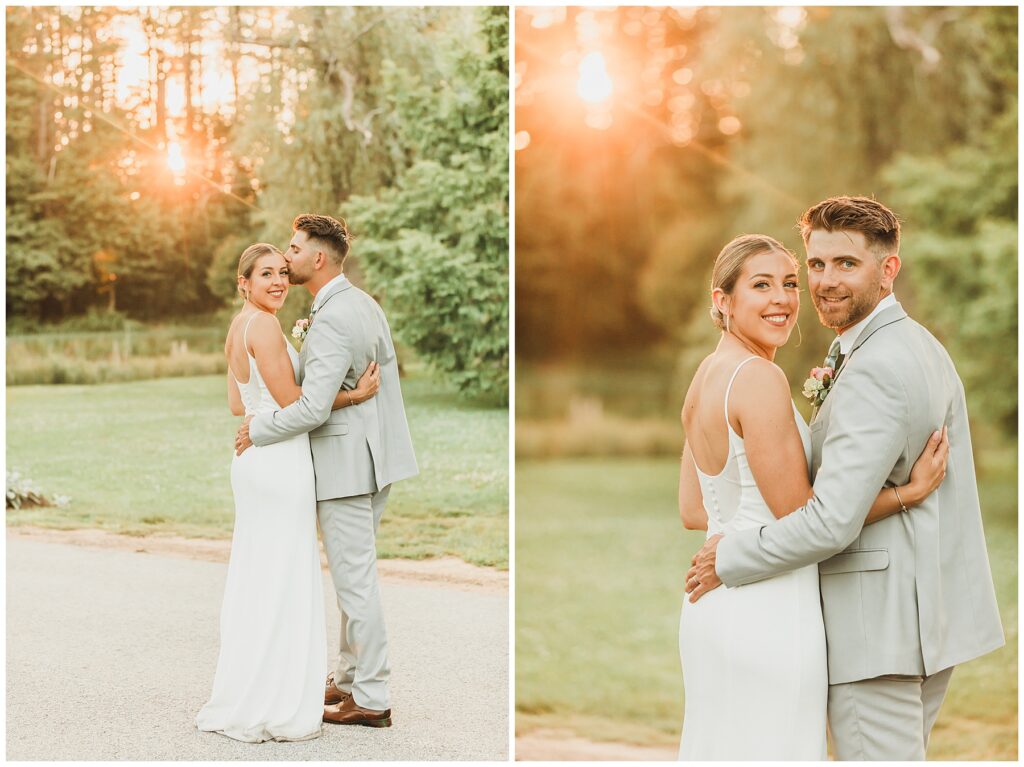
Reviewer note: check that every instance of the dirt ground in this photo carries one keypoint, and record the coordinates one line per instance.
(562, 745)
(447, 570)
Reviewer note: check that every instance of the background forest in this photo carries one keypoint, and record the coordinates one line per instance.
(148, 146)
(646, 138)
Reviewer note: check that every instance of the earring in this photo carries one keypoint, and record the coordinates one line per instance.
(799, 335)
(727, 323)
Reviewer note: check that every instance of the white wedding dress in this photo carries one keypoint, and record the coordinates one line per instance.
(753, 657)
(270, 675)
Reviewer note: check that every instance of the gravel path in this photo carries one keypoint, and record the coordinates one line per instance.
(111, 653)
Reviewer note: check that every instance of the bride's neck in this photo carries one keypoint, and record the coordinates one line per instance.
(732, 341)
(259, 308)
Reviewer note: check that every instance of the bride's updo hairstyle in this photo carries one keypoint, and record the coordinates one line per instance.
(730, 261)
(252, 254)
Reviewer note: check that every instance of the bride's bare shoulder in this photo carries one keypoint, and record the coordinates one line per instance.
(761, 386)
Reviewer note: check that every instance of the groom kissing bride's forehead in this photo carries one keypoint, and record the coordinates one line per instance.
(891, 516)
(317, 250)
(331, 419)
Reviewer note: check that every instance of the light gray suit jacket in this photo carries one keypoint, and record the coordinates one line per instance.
(357, 449)
(912, 593)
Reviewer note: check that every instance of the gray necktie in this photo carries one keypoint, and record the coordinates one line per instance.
(833, 359)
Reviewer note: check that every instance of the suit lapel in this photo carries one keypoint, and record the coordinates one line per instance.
(886, 317)
(341, 286)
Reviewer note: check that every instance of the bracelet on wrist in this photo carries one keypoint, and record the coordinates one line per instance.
(899, 500)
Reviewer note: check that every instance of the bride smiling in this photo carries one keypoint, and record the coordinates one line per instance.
(753, 657)
(273, 646)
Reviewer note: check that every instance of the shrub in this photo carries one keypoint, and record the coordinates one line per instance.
(23, 492)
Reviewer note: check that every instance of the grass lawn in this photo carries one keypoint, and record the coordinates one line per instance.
(154, 457)
(600, 561)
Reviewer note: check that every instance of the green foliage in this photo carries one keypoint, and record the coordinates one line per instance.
(613, 225)
(80, 351)
(93, 321)
(345, 101)
(960, 212)
(434, 245)
(617, 229)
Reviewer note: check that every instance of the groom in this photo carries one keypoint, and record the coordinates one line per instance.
(908, 597)
(358, 452)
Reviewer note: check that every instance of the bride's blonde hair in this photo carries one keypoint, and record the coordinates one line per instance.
(731, 259)
(252, 254)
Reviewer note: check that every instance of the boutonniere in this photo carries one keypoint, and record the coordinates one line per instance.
(301, 328)
(817, 387)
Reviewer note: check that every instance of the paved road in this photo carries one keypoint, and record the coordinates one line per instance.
(110, 654)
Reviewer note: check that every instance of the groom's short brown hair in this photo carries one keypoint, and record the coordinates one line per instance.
(330, 234)
(878, 224)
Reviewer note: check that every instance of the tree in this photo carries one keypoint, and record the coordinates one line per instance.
(960, 248)
(434, 245)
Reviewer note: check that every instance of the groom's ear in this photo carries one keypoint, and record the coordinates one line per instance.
(890, 268)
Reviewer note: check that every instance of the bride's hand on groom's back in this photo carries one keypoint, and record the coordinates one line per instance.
(368, 383)
(930, 468)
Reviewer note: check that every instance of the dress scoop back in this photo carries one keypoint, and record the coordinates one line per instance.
(732, 498)
(269, 682)
(753, 657)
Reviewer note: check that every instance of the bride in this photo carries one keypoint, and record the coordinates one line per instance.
(753, 657)
(273, 646)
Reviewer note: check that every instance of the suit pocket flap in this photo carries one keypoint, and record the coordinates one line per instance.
(855, 561)
(329, 430)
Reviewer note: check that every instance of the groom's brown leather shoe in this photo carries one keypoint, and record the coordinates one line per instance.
(349, 713)
(332, 694)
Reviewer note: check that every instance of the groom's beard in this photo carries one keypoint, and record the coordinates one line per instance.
(853, 310)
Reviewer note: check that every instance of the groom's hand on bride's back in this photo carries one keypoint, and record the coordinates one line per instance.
(242, 441)
(702, 578)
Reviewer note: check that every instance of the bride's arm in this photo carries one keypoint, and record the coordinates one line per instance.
(268, 347)
(691, 500)
(761, 405)
(926, 475)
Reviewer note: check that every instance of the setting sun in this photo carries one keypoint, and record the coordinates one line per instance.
(175, 158)
(594, 84)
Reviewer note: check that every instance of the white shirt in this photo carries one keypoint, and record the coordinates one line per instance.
(324, 290)
(849, 336)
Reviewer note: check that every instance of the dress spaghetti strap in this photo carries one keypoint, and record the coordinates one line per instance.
(245, 331)
(729, 387)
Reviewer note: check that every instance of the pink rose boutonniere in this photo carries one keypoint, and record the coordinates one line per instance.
(300, 329)
(817, 387)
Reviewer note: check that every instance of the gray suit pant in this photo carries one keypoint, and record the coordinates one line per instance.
(349, 530)
(888, 718)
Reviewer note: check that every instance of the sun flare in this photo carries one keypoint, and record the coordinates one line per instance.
(594, 85)
(175, 158)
